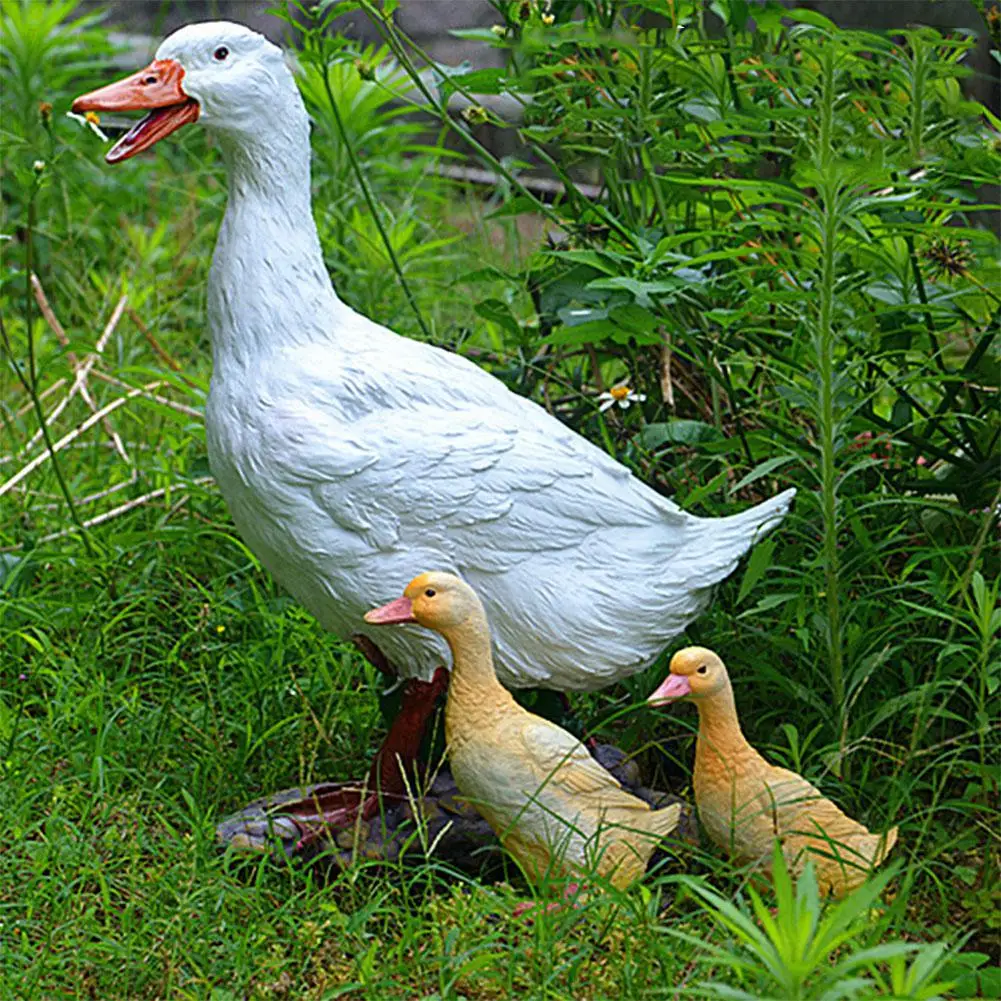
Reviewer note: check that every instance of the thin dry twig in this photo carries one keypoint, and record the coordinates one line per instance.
(74, 434)
(666, 383)
(169, 360)
(81, 370)
(596, 368)
(51, 319)
(90, 498)
(181, 408)
(48, 391)
(114, 512)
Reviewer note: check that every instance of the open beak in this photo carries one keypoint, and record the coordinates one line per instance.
(156, 89)
(401, 610)
(674, 686)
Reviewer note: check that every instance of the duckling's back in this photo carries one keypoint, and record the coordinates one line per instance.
(768, 802)
(555, 808)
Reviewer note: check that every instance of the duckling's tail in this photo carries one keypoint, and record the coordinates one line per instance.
(714, 545)
(885, 846)
(662, 822)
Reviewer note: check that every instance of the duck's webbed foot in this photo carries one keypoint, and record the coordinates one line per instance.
(574, 895)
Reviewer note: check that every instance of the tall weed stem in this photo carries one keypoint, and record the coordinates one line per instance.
(30, 381)
(827, 419)
(369, 200)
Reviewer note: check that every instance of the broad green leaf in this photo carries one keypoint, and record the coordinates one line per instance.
(759, 562)
(678, 432)
(763, 469)
(500, 313)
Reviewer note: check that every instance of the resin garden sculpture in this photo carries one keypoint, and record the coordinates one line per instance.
(553, 807)
(744, 803)
(351, 457)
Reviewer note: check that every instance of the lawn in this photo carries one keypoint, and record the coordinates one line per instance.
(791, 253)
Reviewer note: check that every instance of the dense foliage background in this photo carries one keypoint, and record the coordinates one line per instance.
(777, 232)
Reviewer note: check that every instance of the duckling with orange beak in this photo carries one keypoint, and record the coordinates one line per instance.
(554, 808)
(745, 803)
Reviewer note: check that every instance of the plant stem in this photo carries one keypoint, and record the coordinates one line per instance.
(392, 36)
(919, 71)
(825, 343)
(30, 382)
(370, 201)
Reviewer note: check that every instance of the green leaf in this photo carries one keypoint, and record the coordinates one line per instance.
(979, 589)
(577, 316)
(901, 415)
(760, 561)
(337, 7)
(483, 81)
(589, 332)
(500, 313)
(518, 205)
(678, 432)
(763, 469)
(717, 482)
(642, 291)
(768, 603)
(637, 320)
(477, 35)
(811, 17)
(733, 13)
(600, 261)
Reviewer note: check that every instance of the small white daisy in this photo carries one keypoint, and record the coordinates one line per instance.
(91, 121)
(621, 394)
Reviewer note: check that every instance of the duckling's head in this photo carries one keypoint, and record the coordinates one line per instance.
(695, 673)
(435, 600)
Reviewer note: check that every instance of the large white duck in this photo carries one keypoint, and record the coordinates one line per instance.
(352, 458)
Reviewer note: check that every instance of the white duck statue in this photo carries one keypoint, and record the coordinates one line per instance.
(352, 458)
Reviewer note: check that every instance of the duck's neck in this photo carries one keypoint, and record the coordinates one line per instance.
(269, 287)
(473, 688)
(720, 738)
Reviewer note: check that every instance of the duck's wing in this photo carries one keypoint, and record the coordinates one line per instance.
(585, 572)
(813, 827)
(800, 808)
(562, 763)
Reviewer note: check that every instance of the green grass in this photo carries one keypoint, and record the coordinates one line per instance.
(153, 679)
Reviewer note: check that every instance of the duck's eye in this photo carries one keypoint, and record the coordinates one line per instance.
(430, 592)
(703, 669)
(220, 54)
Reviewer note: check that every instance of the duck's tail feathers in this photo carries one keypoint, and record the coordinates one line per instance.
(663, 821)
(885, 846)
(718, 543)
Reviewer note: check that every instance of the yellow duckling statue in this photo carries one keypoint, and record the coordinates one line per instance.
(745, 803)
(554, 808)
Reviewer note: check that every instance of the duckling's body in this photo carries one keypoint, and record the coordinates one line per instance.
(554, 808)
(745, 803)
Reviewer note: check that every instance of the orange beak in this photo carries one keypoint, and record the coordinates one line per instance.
(156, 89)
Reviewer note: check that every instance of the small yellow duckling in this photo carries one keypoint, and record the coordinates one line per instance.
(744, 803)
(554, 808)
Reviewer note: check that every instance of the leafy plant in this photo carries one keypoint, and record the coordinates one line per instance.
(44, 47)
(805, 950)
(768, 227)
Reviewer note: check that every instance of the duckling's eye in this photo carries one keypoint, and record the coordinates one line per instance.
(220, 54)
(702, 670)
(430, 592)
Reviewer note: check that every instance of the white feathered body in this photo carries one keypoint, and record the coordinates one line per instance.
(353, 459)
